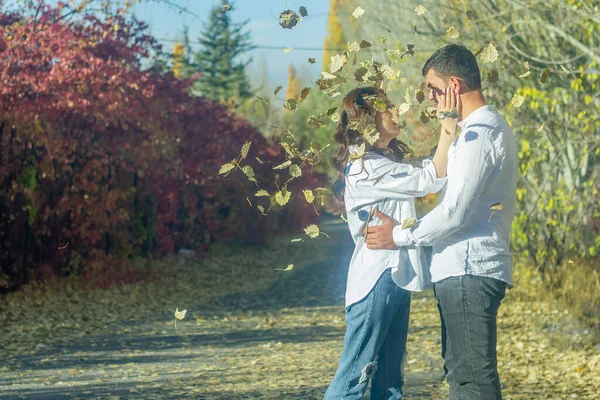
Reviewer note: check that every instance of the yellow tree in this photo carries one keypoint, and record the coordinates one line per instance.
(177, 63)
(335, 33)
(292, 90)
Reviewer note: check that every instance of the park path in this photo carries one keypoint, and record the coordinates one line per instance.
(281, 343)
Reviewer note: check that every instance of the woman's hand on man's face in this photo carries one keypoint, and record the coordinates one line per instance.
(448, 108)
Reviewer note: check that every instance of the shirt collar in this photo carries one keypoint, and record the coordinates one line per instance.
(475, 115)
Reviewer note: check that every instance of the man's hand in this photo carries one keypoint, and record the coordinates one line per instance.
(381, 236)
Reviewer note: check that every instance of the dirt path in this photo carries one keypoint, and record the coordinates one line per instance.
(282, 343)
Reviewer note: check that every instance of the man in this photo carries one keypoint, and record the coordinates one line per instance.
(469, 228)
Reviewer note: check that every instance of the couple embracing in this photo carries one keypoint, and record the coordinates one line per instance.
(471, 264)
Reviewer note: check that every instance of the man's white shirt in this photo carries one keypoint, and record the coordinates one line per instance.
(378, 183)
(468, 237)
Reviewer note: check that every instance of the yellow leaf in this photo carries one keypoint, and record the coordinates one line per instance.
(287, 49)
(284, 165)
(337, 62)
(295, 171)
(489, 54)
(517, 100)
(312, 231)
(409, 223)
(226, 168)
(262, 193)
(452, 33)
(308, 195)
(304, 94)
(283, 197)
(358, 12)
(420, 10)
(288, 268)
(525, 75)
(353, 47)
(180, 314)
(497, 206)
(245, 149)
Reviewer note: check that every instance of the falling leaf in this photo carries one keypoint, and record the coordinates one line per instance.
(303, 11)
(380, 105)
(420, 10)
(337, 62)
(63, 247)
(409, 223)
(278, 89)
(353, 47)
(288, 19)
(364, 44)
(312, 60)
(403, 108)
(544, 76)
(245, 149)
(282, 197)
(312, 231)
(382, 39)
(493, 76)
(452, 33)
(540, 128)
(497, 206)
(360, 152)
(226, 168)
(288, 268)
(419, 96)
(249, 202)
(295, 171)
(290, 104)
(262, 99)
(304, 94)
(368, 221)
(287, 49)
(262, 193)
(249, 172)
(225, 7)
(284, 165)
(358, 12)
(180, 315)
(517, 100)
(308, 195)
(424, 117)
(526, 64)
(471, 15)
(565, 70)
(297, 240)
(525, 75)
(360, 73)
(489, 54)
(261, 209)
(259, 160)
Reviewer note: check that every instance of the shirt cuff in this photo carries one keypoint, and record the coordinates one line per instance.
(429, 165)
(403, 237)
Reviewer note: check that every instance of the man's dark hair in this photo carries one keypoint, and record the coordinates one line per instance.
(455, 60)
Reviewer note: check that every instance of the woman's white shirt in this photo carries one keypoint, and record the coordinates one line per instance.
(377, 183)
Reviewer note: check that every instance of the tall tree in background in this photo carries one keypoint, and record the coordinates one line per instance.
(292, 91)
(223, 42)
(335, 33)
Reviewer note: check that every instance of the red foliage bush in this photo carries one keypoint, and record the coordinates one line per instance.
(100, 158)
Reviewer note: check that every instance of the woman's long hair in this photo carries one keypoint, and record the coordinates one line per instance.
(356, 105)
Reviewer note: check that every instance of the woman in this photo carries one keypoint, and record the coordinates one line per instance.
(379, 282)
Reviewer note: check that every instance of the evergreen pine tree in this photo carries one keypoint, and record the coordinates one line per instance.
(223, 76)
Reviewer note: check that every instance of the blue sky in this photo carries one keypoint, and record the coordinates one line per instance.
(167, 23)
